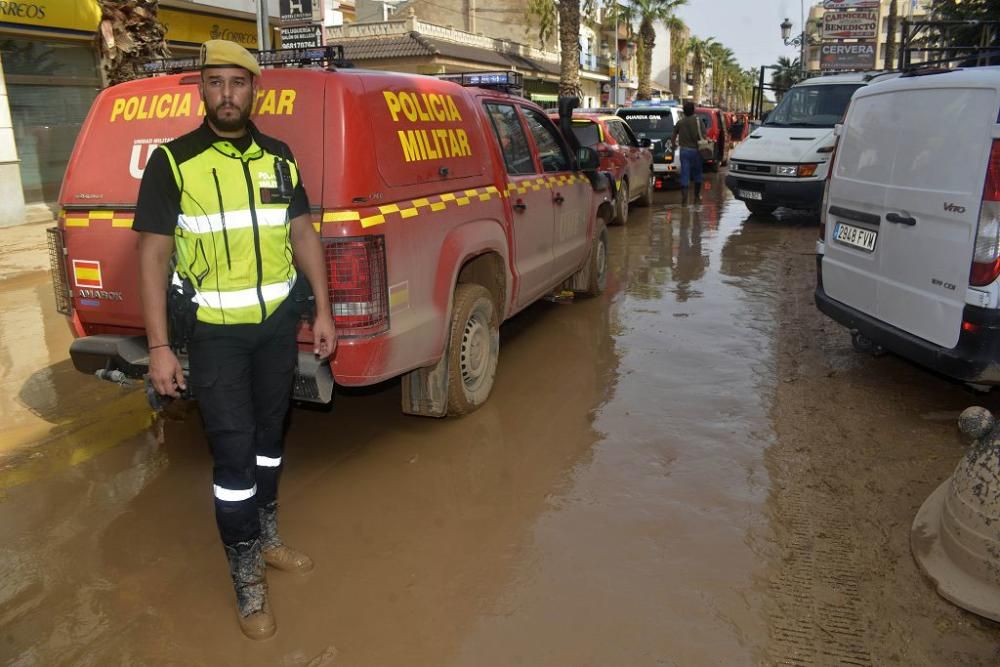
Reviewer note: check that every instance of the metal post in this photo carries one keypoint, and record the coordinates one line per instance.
(802, 18)
(263, 27)
(760, 95)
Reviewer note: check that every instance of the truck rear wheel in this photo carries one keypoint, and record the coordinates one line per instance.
(621, 204)
(473, 348)
(596, 270)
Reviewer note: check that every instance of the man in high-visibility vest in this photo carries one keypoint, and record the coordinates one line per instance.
(230, 201)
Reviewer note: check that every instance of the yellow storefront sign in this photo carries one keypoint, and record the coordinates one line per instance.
(81, 15)
(198, 28)
(85, 16)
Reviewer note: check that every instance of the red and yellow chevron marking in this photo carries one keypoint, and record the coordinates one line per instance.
(122, 219)
(424, 206)
(87, 274)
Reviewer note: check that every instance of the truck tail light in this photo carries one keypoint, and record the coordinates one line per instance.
(986, 255)
(57, 263)
(604, 151)
(358, 291)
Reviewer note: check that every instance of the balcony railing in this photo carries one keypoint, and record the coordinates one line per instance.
(593, 63)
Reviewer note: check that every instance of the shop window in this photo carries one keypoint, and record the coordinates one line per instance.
(50, 87)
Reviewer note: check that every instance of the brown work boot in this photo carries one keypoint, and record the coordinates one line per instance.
(276, 553)
(246, 567)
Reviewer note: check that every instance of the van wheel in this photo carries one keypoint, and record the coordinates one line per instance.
(760, 209)
(647, 196)
(596, 270)
(473, 349)
(621, 204)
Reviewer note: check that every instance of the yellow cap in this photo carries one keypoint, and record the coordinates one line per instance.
(223, 53)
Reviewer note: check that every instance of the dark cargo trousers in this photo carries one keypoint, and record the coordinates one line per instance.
(241, 376)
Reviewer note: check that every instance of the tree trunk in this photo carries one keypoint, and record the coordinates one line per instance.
(699, 70)
(569, 48)
(130, 33)
(647, 40)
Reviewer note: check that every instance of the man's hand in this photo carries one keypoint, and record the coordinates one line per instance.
(165, 372)
(324, 335)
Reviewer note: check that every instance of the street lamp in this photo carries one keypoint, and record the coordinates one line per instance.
(800, 40)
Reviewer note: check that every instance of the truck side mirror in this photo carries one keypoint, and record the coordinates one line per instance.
(587, 158)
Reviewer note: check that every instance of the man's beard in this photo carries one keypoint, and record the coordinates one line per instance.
(228, 124)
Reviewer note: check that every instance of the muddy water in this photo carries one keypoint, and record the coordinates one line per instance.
(604, 508)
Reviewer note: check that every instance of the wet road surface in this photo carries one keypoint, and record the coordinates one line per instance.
(661, 477)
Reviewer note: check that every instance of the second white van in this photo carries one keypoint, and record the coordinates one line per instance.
(784, 162)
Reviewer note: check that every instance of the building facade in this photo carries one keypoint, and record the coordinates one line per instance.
(409, 42)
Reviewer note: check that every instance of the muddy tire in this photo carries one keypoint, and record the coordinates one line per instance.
(762, 210)
(596, 269)
(473, 349)
(621, 204)
(647, 195)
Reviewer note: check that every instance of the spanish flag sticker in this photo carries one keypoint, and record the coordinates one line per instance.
(87, 274)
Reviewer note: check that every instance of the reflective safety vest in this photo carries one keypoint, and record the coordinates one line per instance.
(232, 235)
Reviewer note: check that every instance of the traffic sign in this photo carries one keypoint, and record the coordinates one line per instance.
(850, 4)
(295, 11)
(838, 56)
(302, 37)
(860, 24)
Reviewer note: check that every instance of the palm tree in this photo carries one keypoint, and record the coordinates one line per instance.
(700, 50)
(786, 74)
(564, 16)
(649, 13)
(129, 34)
(723, 63)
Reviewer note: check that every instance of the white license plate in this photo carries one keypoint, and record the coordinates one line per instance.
(858, 237)
(751, 194)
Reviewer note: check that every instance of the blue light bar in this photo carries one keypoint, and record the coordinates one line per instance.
(504, 80)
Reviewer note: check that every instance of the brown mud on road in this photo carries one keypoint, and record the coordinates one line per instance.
(693, 469)
(860, 443)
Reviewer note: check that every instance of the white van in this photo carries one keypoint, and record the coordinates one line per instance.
(784, 162)
(909, 256)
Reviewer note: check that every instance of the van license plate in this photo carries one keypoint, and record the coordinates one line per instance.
(751, 194)
(855, 236)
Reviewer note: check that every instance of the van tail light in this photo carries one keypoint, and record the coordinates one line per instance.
(986, 256)
(604, 151)
(826, 190)
(357, 277)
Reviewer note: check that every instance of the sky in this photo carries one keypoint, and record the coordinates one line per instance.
(751, 28)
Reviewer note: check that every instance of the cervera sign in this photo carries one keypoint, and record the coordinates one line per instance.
(860, 24)
(836, 57)
(850, 4)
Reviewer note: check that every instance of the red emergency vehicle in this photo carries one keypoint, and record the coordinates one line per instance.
(623, 155)
(445, 207)
(715, 129)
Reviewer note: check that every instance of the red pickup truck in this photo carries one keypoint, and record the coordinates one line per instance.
(444, 206)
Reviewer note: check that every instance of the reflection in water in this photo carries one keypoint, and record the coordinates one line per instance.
(648, 555)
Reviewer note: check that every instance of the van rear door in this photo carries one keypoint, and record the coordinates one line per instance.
(904, 203)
